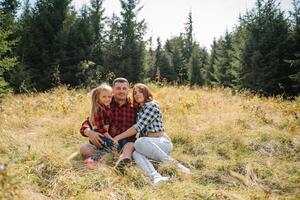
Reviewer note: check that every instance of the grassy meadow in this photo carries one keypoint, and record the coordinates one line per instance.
(238, 145)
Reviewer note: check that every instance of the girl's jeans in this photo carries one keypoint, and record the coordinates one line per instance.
(107, 147)
(156, 148)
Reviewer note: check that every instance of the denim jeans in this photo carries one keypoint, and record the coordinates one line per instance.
(107, 147)
(156, 148)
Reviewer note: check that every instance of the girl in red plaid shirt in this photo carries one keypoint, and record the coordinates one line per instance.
(99, 121)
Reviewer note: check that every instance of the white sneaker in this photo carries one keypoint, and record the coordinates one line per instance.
(183, 168)
(158, 180)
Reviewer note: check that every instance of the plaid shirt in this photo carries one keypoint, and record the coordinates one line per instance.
(122, 117)
(102, 120)
(149, 119)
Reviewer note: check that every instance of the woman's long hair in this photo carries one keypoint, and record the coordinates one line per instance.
(146, 92)
(95, 100)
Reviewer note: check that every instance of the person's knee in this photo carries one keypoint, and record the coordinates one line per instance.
(135, 155)
(86, 150)
(129, 145)
(141, 143)
(128, 149)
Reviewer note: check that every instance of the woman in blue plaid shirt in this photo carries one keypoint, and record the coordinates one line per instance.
(152, 142)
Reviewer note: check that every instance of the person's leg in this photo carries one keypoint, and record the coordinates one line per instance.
(158, 149)
(125, 157)
(87, 150)
(127, 151)
(122, 143)
(148, 168)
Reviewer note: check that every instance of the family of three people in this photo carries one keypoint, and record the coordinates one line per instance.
(134, 128)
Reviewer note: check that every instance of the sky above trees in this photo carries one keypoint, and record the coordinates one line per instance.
(166, 18)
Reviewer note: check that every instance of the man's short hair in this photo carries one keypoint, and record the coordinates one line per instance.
(120, 80)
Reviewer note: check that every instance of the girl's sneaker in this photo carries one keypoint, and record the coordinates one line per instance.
(89, 163)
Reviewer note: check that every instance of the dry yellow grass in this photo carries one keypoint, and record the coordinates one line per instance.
(239, 146)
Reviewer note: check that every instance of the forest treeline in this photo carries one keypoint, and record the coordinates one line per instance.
(51, 43)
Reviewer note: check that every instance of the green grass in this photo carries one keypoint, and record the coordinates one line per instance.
(238, 145)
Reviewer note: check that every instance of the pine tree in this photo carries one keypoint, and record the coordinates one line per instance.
(163, 67)
(209, 77)
(112, 47)
(8, 10)
(19, 77)
(199, 61)
(158, 58)
(79, 68)
(180, 65)
(239, 37)
(7, 61)
(188, 38)
(174, 47)
(294, 61)
(46, 46)
(150, 62)
(263, 66)
(223, 71)
(97, 22)
(133, 47)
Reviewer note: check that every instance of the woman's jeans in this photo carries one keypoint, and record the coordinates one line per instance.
(156, 148)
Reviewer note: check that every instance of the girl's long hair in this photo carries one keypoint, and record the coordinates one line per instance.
(146, 92)
(95, 100)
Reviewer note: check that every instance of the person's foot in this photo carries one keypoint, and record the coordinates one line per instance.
(183, 168)
(120, 166)
(89, 163)
(160, 180)
(88, 160)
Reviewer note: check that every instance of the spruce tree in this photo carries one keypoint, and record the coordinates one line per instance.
(112, 47)
(8, 9)
(97, 23)
(188, 38)
(46, 46)
(158, 57)
(150, 62)
(133, 47)
(209, 75)
(294, 60)
(175, 48)
(199, 62)
(7, 61)
(263, 65)
(19, 77)
(223, 71)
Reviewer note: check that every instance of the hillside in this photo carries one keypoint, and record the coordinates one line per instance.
(239, 146)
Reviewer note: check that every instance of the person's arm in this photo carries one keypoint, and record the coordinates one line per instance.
(85, 125)
(129, 132)
(106, 134)
(93, 136)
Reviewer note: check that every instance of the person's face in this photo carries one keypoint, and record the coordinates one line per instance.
(138, 96)
(105, 97)
(120, 90)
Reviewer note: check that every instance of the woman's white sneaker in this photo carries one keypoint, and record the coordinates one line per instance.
(159, 180)
(183, 168)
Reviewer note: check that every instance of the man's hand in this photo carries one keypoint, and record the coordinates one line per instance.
(94, 137)
(116, 140)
